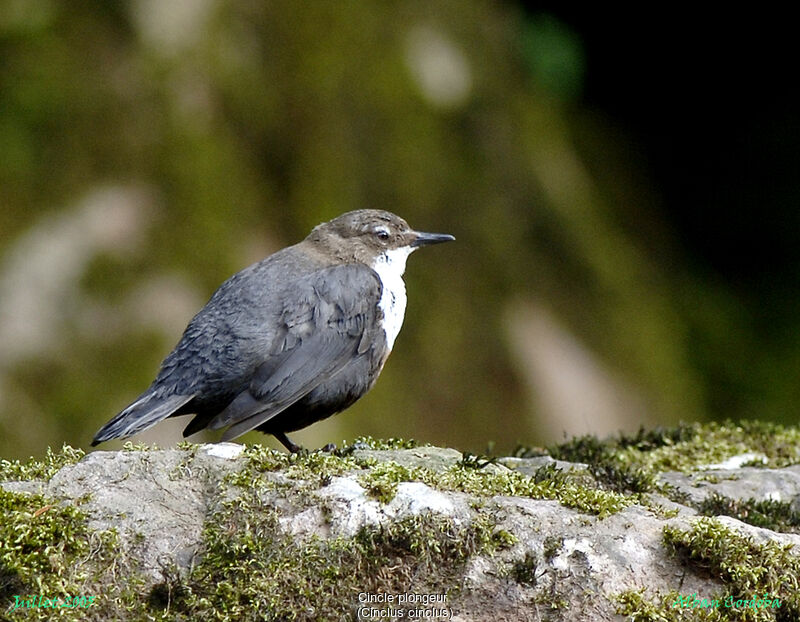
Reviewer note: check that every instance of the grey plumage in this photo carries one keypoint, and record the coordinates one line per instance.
(285, 342)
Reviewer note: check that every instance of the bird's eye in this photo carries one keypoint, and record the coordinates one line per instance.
(382, 233)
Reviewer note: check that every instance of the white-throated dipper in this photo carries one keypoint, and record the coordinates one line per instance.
(290, 340)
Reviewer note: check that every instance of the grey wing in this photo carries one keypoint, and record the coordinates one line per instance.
(332, 317)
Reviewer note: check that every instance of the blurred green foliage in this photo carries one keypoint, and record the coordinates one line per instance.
(242, 125)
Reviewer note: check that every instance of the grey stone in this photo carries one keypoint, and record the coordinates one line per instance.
(433, 458)
(740, 483)
(561, 564)
(529, 466)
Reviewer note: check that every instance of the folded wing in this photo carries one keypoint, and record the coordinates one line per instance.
(330, 318)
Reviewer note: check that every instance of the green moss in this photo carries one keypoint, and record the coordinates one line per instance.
(183, 468)
(635, 606)
(367, 442)
(46, 549)
(473, 478)
(506, 482)
(250, 570)
(552, 545)
(315, 467)
(44, 469)
(709, 443)
(131, 446)
(605, 461)
(381, 478)
(471, 461)
(674, 606)
(662, 512)
(504, 539)
(630, 464)
(524, 570)
(746, 569)
(774, 515)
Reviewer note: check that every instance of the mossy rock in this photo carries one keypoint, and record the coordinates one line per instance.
(226, 532)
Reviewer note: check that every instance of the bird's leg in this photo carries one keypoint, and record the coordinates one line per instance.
(292, 447)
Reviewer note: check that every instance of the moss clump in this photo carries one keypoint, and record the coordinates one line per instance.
(774, 515)
(184, 467)
(552, 545)
(607, 463)
(471, 476)
(747, 570)
(251, 570)
(367, 442)
(759, 581)
(471, 461)
(631, 463)
(131, 446)
(44, 469)
(46, 549)
(382, 479)
(314, 466)
(634, 605)
(524, 570)
(559, 487)
(677, 607)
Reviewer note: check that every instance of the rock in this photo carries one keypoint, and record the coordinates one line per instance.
(434, 458)
(529, 466)
(157, 501)
(374, 532)
(738, 483)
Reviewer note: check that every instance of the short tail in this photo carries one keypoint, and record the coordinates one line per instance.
(144, 413)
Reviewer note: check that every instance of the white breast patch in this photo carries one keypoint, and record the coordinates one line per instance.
(390, 267)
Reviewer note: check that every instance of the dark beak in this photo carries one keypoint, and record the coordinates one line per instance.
(424, 239)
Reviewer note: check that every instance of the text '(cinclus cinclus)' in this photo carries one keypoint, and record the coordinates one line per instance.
(294, 338)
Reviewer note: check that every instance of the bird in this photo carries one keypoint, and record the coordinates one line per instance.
(290, 340)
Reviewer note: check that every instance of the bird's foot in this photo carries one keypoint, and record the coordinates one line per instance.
(293, 448)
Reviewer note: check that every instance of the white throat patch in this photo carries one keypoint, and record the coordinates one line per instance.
(390, 267)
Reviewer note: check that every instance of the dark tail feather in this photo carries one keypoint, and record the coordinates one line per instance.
(142, 414)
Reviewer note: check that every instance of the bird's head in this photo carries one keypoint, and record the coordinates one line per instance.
(370, 236)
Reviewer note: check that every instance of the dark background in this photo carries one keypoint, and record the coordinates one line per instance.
(709, 102)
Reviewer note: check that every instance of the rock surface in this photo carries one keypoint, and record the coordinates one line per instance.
(541, 559)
